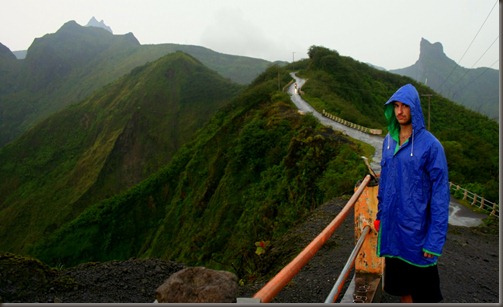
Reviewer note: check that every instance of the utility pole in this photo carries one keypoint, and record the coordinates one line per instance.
(429, 108)
(293, 56)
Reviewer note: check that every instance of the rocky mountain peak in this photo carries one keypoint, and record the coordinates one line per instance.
(428, 49)
(93, 22)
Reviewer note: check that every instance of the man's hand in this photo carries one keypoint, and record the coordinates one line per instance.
(427, 255)
(377, 223)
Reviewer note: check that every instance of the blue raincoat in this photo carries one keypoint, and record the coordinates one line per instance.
(413, 197)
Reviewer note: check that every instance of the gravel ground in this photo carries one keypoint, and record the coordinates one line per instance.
(469, 270)
(130, 281)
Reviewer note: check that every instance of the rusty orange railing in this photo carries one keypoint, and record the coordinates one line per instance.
(280, 280)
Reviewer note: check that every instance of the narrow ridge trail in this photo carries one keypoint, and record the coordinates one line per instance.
(374, 140)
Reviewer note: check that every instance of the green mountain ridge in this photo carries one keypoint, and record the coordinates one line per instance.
(100, 147)
(357, 92)
(250, 174)
(67, 66)
(253, 169)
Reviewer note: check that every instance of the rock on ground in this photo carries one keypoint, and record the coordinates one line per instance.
(199, 285)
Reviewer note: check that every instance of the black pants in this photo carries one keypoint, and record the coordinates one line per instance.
(402, 278)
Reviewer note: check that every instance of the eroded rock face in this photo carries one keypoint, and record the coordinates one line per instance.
(199, 285)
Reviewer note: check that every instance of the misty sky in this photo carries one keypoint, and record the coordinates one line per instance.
(385, 33)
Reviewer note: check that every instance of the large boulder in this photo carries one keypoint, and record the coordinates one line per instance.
(199, 285)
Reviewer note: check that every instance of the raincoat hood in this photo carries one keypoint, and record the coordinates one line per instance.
(408, 95)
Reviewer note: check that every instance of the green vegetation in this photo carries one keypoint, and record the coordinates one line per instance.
(174, 161)
(66, 67)
(104, 145)
(347, 88)
(251, 173)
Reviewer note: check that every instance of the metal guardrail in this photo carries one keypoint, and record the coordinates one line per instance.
(352, 125)
(474, 199)
(281, 279)
(339, 283)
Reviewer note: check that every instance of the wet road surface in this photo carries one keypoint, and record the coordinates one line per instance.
(460, 215)
(374, 140)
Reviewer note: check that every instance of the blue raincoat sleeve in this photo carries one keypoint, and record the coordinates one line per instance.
(440, 198)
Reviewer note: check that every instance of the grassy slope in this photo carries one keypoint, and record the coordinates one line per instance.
(252, 172)
(103, 145)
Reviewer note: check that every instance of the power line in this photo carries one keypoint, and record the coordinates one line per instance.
(485, 51)
(474, 79)
(468, 70)
(454, 68)
(478, 32)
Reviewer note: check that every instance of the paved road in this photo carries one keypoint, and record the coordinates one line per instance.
(374, 140)
(459, 215)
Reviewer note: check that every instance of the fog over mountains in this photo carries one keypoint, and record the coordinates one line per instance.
(64, 67)
(474, 88)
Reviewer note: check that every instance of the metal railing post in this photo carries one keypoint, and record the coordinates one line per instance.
(366, 286)
(365, 214)
(339, 283)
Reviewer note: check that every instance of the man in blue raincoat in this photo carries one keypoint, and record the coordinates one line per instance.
(413, 202)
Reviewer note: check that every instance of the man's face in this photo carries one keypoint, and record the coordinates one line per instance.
(402, 113)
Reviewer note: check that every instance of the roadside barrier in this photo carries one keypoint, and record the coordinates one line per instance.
(351, 125)
(337, 288)
(474, 199)
(368, 267)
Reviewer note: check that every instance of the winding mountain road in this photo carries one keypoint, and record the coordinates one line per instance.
(374, 140)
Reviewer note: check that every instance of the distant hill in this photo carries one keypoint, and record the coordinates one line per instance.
(5, 54)
(98, 148)
(20, 54)
(65, 67)
(476, 89)
(9, 70)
